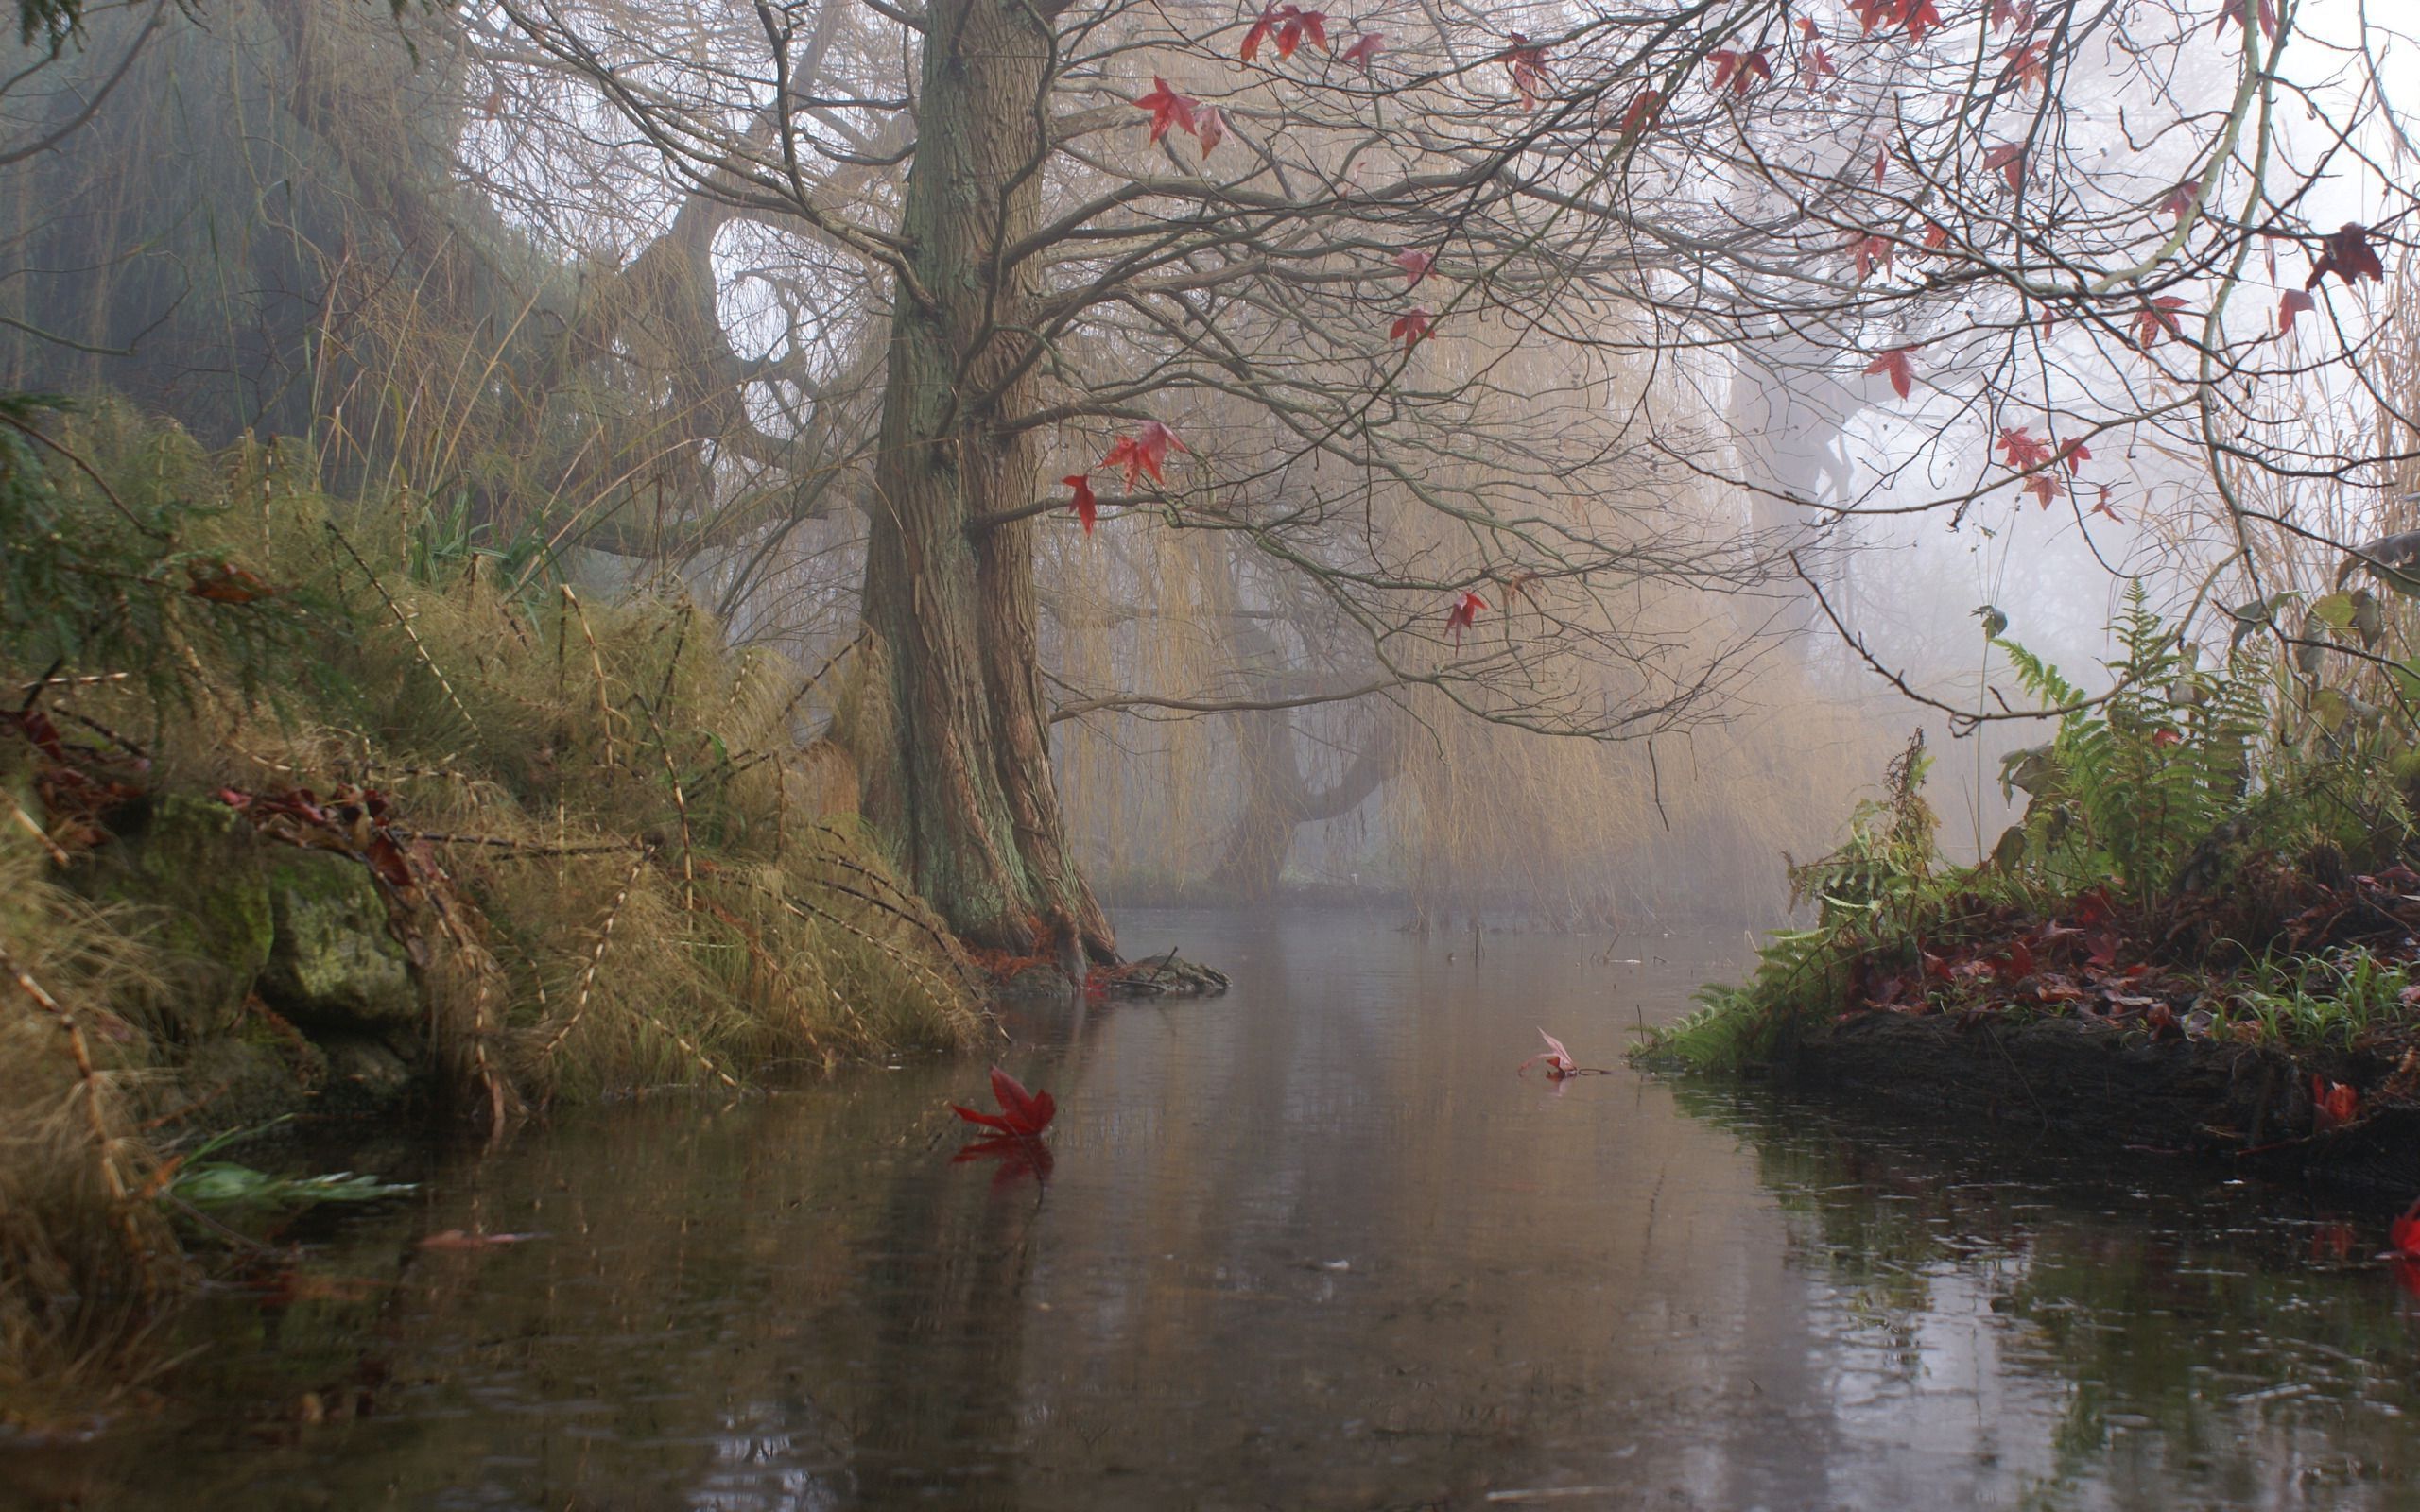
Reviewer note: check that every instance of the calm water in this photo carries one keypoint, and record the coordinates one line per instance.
(1310, 1246)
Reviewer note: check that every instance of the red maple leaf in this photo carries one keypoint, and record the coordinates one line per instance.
(1210, 128)
(2293, 302)
(2182, 198)
(1527, 63)
(2349, 256)
(1416, 265)
(1921, 17)
(1463, 615)
(2404, 1234)
(1737, 69)
(1021, 1113)
(2016, 13)
(2024, 452)
(1816, 64)
(1643, 112)
(1302, 26)
(2160, 315)
(1168, 108)
(1870, 252)
(1364, 49)
(2009, 162)
(2045, 487)
(1807, 29)
(2074, 453)
(1087, 509)
(1410, 327)
(1882, 165)
(2100, 505)
(1936, 235)
(2025, 65)
(1895, 365)
(1145, 451)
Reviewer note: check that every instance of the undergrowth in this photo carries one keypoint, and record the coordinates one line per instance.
(2204, 833)
(613, 857)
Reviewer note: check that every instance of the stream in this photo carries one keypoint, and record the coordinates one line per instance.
(1312, 1245)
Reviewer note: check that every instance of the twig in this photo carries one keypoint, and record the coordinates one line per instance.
(406, 620)
(596, 660)
(596, 956)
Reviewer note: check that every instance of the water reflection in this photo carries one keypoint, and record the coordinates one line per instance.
(1312, 1246)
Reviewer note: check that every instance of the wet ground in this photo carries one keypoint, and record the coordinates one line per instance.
(1309, 1245)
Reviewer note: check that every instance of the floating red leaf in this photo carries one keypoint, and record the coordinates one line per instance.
(1168, 108)
(2332, 1105)
(1087, 509)
(1896, 365)
(2404, 1234)
(1558, 1059)
(1021, 1113)
(468, 1239)
(1410, 327)
(2348, 255)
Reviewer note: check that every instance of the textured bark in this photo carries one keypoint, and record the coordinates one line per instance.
(957, 768)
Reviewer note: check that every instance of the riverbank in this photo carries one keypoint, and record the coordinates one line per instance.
(320, 808)
(2202, 939)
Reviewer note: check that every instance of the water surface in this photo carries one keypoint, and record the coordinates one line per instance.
(1309, 1245)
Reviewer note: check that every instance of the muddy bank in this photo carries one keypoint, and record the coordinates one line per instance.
(2243, 1107)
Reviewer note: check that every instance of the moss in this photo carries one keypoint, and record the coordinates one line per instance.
(190, 870)
(331, 961)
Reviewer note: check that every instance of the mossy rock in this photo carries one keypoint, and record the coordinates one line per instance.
(331, 962)
(244, 1083)
(192, 870)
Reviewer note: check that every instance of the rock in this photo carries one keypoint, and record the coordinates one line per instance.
(247, 1083)
(193, 870)
(331, 962)
(364, 1075)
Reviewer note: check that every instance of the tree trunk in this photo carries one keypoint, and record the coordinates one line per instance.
(957, 764)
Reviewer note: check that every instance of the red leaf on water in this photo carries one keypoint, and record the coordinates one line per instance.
(1416, 265)
(1087, 509)
(2404, 1234)
(2332, 1105)
(1364, 49)
(466, 1239)
(1895, 365)
(1410, 327)
(2348, 255)
(1463, 615)
(1021, 1113)
(1558, 1059)
(2293, 302)
(1168, 108)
